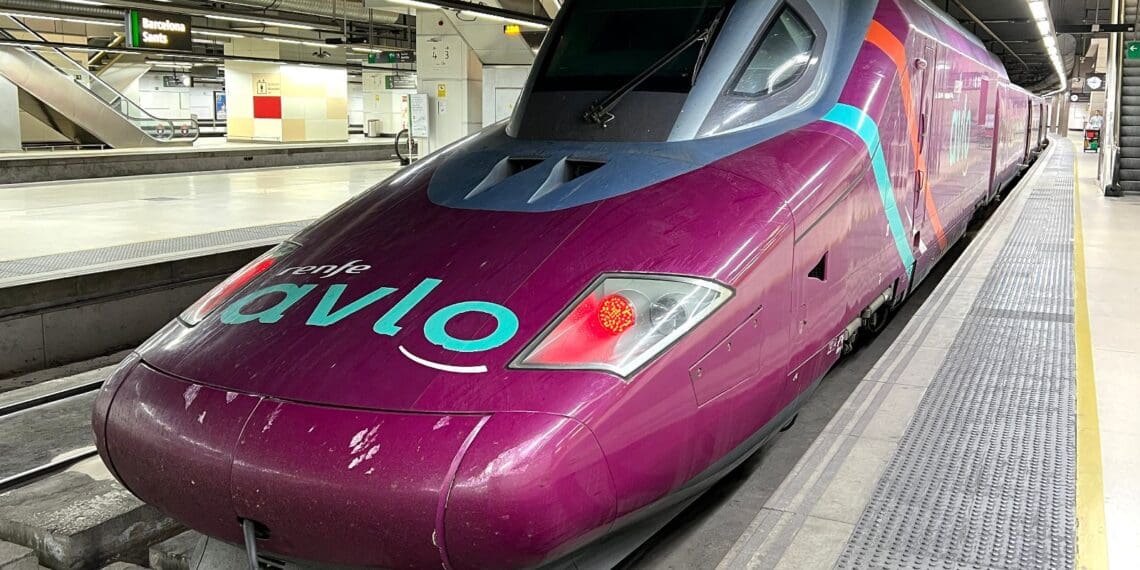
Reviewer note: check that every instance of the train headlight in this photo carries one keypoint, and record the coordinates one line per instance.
(622, 322)
(234, 283)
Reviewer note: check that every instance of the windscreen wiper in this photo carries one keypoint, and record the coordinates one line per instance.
(601, 112)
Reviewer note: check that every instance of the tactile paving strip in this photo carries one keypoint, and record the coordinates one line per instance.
(984, 476)
(125, 254)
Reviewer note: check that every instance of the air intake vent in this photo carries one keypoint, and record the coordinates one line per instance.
(565, 171)
(505, 169)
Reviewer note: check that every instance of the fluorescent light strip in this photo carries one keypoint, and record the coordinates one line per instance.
(260, 22)
(415, 4)
(298, 42)
(218, 34)
(58, 19)
(1040, 13)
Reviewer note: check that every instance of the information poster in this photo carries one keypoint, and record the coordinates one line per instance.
(420, 121)
(220, 106)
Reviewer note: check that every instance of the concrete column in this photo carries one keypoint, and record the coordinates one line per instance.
(1063, 116)
(452, 77)
(9, 116)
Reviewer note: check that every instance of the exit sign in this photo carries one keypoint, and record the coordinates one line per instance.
(1132, 50)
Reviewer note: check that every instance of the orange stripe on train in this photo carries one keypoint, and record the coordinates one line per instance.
(882, 38)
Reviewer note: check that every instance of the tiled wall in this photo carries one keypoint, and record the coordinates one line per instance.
(294, 103)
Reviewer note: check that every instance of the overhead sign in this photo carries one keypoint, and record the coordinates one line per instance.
(392, 57)
(158, 30)
(177, 81)
(400, 81)
(1132, 51)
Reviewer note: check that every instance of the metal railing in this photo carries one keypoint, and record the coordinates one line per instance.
(156, 128)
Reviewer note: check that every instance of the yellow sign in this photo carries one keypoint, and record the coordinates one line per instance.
(267, 84)
(512, 30)
(441, 90)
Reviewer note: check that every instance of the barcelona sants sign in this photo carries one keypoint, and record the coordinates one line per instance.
(157, 30)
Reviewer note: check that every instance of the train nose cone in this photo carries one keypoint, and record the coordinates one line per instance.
(530, 489)
(354, 487)
(338, 486)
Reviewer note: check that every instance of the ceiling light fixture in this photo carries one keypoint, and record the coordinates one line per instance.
(416, 4)
(1040, 12)
(297, 42)
(260, 22)
(218, 34)
(59, 19)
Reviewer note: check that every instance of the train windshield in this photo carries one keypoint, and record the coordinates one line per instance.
(606, 43)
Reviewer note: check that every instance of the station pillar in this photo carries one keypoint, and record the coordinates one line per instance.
(451, 75)
(9, 116)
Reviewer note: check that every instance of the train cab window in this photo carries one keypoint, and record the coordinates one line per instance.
(780, 58)
(603, 44)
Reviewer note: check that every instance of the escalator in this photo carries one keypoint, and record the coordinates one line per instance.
(77, 103)
(1127, 175)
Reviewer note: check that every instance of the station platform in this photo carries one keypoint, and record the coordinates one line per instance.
(208, 154)
(88, 267)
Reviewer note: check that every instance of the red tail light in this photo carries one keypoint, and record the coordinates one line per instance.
(236, 282)
(616, 314)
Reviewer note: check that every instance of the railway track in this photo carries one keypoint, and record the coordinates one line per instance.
(48, 425)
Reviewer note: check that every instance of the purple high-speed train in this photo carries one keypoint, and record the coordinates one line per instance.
(536, 346)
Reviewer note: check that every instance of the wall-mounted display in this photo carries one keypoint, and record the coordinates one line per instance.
(220, 105)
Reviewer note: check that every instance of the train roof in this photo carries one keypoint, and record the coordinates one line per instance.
(934, 22)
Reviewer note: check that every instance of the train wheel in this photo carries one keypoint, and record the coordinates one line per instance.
(878, 320)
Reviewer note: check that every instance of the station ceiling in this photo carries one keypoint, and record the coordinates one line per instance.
(1008, 30)
(1005, 26)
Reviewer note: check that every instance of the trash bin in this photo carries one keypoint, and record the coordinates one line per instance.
(372, 128)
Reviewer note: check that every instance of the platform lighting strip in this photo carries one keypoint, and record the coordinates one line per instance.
(59, 19)
(260, 22)
(415, 4)
(470, 14)
(217, 34)
(1040, 13)
(298, 42)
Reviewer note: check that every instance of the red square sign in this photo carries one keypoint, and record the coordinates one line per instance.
(267, 107)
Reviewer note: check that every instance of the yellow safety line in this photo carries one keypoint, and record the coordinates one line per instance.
(1092, 543)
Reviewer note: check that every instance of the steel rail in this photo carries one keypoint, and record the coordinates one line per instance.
(51, 397)
(58, 464)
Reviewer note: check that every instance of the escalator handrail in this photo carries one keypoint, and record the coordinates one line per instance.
(118, 97)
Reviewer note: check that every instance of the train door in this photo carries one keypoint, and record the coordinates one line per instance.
(924, 88)
(996, 150)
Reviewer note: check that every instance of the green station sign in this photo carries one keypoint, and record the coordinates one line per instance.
(392, 57)
(158, 30)
(1132, 50)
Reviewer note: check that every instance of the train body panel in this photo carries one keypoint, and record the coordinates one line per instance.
(432, 348)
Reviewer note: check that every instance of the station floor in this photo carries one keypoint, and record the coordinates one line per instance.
(993, 427)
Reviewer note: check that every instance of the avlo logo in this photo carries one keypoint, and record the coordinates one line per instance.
(333, 308)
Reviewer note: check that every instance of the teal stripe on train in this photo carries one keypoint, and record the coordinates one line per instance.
(860, 123)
